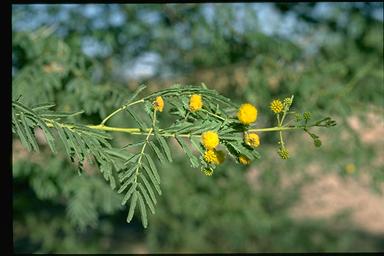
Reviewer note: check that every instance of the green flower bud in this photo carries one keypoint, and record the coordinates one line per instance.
(207, 171)
(283, 153)
(307, 116)
(287, 102)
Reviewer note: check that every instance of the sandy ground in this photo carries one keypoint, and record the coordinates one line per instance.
(330, 194)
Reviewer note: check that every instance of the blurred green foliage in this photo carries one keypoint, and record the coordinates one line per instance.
(331, 60)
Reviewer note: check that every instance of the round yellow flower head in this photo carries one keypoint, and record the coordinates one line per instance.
(214, 156)
(158, 104)
(252, 139)
(247, 113)
(195, 103)
(210, 139)
(276, 106)
(244, 160)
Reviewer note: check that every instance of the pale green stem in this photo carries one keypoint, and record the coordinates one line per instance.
(186, 116)
(145, 144)
(137, 131)
(279, 122)
(281, 139)
(154, 119)
(118, 110)
(134, 131)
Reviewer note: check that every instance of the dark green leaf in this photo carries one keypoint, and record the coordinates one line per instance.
(152, 166)
(149, 188)
(21, 133)
(132, 206)
(63, 138)
(143, 211)
(128, 173)
(147, 199)
(152, 178)
(129, 193)
(138, 120)
(159, 155)
(165, 147)
(27, 129)
(192, 158)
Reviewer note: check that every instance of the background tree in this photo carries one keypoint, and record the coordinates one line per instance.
(330, 56)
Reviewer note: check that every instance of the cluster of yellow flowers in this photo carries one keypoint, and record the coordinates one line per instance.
(210, 140)
(247, 114)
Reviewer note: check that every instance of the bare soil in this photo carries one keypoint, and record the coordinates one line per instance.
(330, 194)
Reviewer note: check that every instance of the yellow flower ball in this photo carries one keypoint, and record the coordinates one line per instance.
(252, 139)
(195, 103)
(244, 160)
(247, 113)
(158, 104)
(276, 106)
(214, 156)
(210, 139)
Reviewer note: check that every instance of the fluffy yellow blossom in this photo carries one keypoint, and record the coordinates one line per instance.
(195, 103)
(247, 113)
(244, 160)
(276, 106)
(214, 156)
(252, 139)
(210, 139)
(158, 104)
